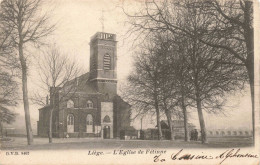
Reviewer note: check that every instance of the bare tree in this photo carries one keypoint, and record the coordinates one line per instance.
(142, 91)
(210, 79)
(174, 88)
(229, 28)
(8, 59)
(234, 33)
(26, 26)
(8, 85)
(180, 77)
(56, 70)
(189, 19)
(166, 79)
(153, 81)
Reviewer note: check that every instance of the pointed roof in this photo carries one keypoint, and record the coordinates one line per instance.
(82, 84)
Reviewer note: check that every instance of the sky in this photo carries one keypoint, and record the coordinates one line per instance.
(78, 20)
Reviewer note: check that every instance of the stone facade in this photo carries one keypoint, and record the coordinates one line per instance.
(88, 106)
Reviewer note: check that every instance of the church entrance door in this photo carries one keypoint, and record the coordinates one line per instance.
(70, 123)
(106, 134)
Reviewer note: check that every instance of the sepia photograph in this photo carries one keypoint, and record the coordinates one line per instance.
(129, 82)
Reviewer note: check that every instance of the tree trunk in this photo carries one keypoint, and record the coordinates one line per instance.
(158, 122)
(202, 123)
(1, 127)
(158, 117)
(168, 115)
(50, 126)
(25, 96)
(53, 104)
(249, 38)
(250, 70)
(186, 130)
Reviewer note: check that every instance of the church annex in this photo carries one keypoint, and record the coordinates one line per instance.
(91, 106)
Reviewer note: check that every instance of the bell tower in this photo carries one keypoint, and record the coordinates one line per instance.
(103, 63)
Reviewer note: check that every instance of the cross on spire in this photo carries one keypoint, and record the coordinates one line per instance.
(102, 20)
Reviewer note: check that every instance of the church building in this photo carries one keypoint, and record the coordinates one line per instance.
(88, 106)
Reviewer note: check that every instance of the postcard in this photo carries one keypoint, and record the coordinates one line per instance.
(129, 82)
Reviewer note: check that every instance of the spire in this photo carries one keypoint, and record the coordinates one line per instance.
(102, 20)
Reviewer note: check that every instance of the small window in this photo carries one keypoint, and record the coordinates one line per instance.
(107, 62)
(106, 119)
(70, 104)
(89, 104)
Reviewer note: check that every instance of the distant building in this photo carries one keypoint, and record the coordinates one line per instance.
(92, 108)
(178, 128)
(229, 132)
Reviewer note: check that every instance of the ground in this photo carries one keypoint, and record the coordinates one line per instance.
(20, 143)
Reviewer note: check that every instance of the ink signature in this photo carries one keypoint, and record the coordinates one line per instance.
(230, 153)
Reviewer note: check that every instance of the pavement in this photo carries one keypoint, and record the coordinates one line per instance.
(20, 143)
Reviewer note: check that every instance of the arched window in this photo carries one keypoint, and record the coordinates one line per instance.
(107, 62)
(89, 104)
(70, 104)
(89, 124)
(106, 119)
